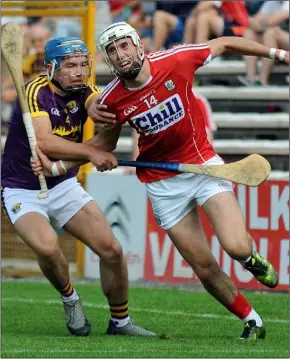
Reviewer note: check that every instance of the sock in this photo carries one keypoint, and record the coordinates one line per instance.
(68, 293)
(119, 314)
(240, 306)
(254, 315)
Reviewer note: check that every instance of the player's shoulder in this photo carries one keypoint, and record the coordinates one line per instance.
(36, 87)
(175, 51)
(111, 92)
(94, 88)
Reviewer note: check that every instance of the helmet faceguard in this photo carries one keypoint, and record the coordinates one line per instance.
(59, 49)
(117, 31)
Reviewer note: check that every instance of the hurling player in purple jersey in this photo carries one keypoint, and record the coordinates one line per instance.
(60, 103)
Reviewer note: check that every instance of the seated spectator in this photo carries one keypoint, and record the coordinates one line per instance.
(8, 92)
(229, 19)
(122, 10)
(253, 6)
(169, 22)
(142, 22)
(34, 63)
(190, 25)
(269, 27)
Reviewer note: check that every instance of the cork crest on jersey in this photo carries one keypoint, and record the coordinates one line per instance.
(159, 117)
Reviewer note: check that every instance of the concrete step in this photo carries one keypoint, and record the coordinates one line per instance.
(263, 147)
(276, 93)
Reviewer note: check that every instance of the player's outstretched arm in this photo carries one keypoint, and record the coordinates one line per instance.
(241, 46)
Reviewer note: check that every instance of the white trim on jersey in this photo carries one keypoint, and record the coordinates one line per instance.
(182, 46)
(110, 87)
(191, 121)
(207, 107)
(177, 51)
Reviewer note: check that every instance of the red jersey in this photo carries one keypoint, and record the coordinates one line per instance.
(234, 11)
(206, 112)
(164, 110)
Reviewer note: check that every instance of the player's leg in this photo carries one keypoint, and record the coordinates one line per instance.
(188, 237)
(173, 201)
(83, 219)
(227, 220)
(29, 215)
(163, 24)
(38, 234)
(276, 38)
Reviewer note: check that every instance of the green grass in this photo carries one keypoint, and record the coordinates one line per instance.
(33, 325)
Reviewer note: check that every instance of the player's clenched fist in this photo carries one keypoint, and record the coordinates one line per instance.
(104, 161)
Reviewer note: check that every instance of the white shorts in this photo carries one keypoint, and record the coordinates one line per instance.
(62, 203)
(174, 197)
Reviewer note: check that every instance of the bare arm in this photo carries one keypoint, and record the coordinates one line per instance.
(239, 45)
(105, 140)
(55, 146)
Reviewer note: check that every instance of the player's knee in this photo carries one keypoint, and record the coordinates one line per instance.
(207, 270)
(112, 253)
(241, 248)
(49, 253)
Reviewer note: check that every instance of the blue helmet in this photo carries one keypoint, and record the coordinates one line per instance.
(56, 49)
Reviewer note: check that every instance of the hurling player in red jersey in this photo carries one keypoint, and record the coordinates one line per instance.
(154, 95)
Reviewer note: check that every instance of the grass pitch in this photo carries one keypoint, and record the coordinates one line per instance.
(33, 325)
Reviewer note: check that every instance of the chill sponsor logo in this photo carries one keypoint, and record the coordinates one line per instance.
(130, 110)
(55, 111)
(160, 117)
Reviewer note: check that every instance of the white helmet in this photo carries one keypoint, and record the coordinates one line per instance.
(115, 32)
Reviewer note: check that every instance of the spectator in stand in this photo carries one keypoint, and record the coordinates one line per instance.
(8, 93)
(190, 25)
(169, 22)
(253, 6)
(122, 10)
(142, 22)
(270, 26)
(230, 19)
(33, 63)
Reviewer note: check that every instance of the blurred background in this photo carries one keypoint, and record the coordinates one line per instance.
(245, 100)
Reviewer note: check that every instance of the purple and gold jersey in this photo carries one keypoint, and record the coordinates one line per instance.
(67, 115)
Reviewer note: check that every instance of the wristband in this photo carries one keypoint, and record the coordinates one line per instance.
(54, 169)
(62, 165)
(272, 53)
(282, 55)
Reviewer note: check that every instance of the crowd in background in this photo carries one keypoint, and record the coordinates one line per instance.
(161, 25)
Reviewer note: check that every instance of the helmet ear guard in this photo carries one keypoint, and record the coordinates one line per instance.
(115, 32)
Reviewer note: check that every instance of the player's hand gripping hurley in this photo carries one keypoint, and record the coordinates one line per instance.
(11, 45)
(250, 171)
